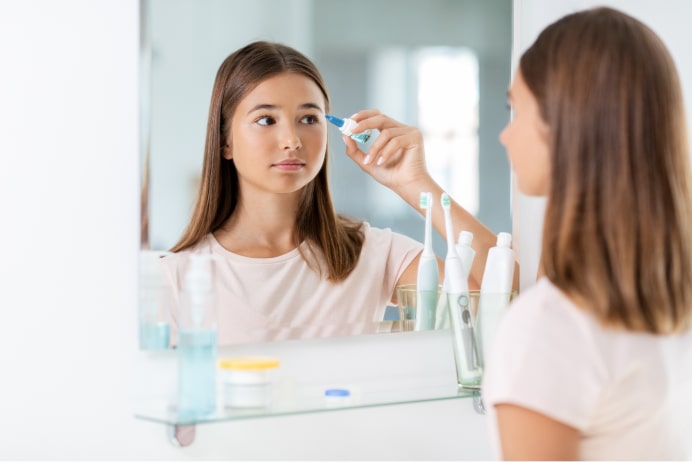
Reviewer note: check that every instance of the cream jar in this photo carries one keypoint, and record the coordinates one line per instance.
(247, 380)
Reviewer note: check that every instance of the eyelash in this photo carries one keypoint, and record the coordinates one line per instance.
(313, 119)
(271, 121)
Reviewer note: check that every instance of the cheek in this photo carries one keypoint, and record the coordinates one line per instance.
(315, 141)
(533, 171)
(246, 140)
(528, 157)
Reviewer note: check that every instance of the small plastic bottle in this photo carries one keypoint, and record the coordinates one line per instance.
(496, 290)
(197, 341)
(466, 254)
(465, 251)
(345, 125)
(154, 302)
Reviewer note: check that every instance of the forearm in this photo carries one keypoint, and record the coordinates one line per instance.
(462, 220)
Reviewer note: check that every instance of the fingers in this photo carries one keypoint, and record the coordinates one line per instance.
(371, 119)
(393, 142)
(365, 114)
(353, 151)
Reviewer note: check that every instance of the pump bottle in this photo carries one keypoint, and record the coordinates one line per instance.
(197, 340)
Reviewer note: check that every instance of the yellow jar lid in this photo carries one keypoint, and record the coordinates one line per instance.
(248, 363)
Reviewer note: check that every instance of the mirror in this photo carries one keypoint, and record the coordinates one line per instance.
(442, 65)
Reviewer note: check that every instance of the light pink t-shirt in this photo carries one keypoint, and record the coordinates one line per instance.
(629, 394)
(270, 299)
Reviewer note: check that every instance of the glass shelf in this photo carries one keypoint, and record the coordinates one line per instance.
(290, 400)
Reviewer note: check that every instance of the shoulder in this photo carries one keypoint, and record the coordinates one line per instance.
(545, 304)
(545, 335)
(386, 237)
(206, 245)
(542, 319)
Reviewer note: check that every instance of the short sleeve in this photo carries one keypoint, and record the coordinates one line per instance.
(396, 250)
(545, 359)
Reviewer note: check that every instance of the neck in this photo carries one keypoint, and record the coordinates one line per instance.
(261, 226)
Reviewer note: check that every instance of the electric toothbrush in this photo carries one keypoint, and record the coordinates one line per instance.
(456, 277)
(428, 274)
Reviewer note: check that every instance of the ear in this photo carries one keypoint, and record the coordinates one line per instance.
(226, 152)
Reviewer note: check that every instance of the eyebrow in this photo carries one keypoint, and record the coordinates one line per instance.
(265, 107)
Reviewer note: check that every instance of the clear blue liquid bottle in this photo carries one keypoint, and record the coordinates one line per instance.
(196, 373)
(154, 335)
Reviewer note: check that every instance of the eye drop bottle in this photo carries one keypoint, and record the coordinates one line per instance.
(345, 126)
(197, 341)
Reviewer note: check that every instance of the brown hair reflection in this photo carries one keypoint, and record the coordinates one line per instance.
(338, 238)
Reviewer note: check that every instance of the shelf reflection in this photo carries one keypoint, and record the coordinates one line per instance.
(288, 399)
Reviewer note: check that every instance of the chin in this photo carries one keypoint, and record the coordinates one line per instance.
(532, 191)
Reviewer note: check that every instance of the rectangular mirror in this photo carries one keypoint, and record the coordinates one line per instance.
(442, 65)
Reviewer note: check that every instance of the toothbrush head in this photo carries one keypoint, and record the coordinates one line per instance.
(425, 200)
(446, 201)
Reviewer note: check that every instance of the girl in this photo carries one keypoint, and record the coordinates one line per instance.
(288, 265)
(595, 360)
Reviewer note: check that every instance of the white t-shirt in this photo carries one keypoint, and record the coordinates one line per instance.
(270, 299)
(629, 394)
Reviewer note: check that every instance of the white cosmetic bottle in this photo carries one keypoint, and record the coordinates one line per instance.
(496, 290)
(465, 251)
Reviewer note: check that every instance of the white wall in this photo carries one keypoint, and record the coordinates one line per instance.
(68, 195)
(668, 18)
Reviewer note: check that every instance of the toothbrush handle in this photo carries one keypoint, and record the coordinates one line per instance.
(425, 312)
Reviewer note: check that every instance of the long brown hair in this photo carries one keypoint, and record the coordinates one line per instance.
(617, 235)
(338, 238)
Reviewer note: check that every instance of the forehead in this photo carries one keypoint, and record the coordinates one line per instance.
(285, 89)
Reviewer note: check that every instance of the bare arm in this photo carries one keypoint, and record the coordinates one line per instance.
(401, 155)
(529, 435)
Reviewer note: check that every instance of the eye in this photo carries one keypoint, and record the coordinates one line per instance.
(310, 119)
(265, 120)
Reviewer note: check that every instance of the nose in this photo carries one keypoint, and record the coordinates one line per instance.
(290, 139)
(503, 136)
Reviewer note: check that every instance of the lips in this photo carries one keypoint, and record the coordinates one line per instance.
(289, 165)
